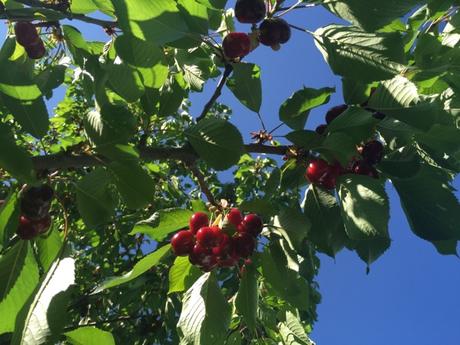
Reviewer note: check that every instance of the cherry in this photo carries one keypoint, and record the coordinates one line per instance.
(244, 244)
(224, 247)
(250, 11)
(197, 221)
(209, 237)
(183, 243)
(26, 229)
(235, 217)
(236, 45)
(274, 31)
(43, 224)
(321, 173)
(228, 261)
(372, 152)
(363, 168)
(335, 112)
(321, 129)
(251, 224)
(26, 34)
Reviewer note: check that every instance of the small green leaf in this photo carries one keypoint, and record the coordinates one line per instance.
(90, 336)
(162, 223)
(182, 275)
(295, 110)
(246, 85)
(217, 142)
(139, 268)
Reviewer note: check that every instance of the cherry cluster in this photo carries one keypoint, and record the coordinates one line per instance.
(272, 32)
(28, 37)
(210, 246)
(35, 218)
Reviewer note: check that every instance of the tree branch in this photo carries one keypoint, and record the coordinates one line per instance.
(203, 185)
(68, 161)
(228, 70)
(66, 14)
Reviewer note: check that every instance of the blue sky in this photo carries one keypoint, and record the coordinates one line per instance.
(411, 295)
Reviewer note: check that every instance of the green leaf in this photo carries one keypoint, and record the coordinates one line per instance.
(327, 231)
(154, 21)
(356, 122)
(430, 206)
(18, 278)
(163, 222)
(246, 85)
(217, 142)
(31, 115)
(171, 98)
(338, 146)
(33, 325)
(137, 52)
(90, 336)
(95, 200)
(286, 282)
(370, 250)
(13, 158)
(448, 247)
(295, 110)
(205, 314)
(292, 331)
(247, 298)
(9, 218)
(306, 139)
(294, 226)
(48, 248)
(398, 98)
(371, 14)
(126, 82)
(139, 268)
(365, 207)
(195, 15)
(358, 55)
(182, 275)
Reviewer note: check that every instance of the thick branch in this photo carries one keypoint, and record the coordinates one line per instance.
(68, 15)
(228, 70)
(68, 161)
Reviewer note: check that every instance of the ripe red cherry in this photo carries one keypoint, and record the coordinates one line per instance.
(335, 112)
(372, 152)
(252, 224)
(228, 261)
(243, 245)
(26, 229)
(234, 217)
(274, 31)
(321, 173)
(363, 168)
(209, 237)
(43, 224)
(250, 11)
(197, 221)
(26, 34)
(224, 247)
(182, 243)
(236, 45)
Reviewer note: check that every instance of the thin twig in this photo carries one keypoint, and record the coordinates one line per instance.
(203, 185)
(295, 7)
(228, 70)
(102, 322)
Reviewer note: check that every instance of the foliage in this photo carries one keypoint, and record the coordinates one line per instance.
(129, 164)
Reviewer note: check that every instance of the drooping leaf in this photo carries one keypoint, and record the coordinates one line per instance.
(246, 85)
(139, 268)
(18, 278)
(217, 142)
(292, 331)
(247, 298)
(205, 314)
(9, 218)
(49, 247)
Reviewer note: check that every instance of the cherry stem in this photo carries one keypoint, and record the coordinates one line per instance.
(301, 29)
(228, 70)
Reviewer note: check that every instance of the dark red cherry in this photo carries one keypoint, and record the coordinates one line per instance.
(224, 247)
(43, 224)
(321, 129)
(234, 217)
(335, 112)
(244, 244)
(321, 173)
(197, 221)
(36, 51)
(26, 33)
(236, 45)
(182, 243)
(26, 229)
(363, 168)
(274, 31)
(372, 152)
(252, 224)
(209, 237)
(250, 11)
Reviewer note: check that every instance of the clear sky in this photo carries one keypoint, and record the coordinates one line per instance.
(411, 295)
